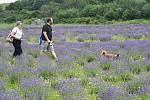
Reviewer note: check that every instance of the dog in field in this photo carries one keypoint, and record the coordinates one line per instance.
(104, 53)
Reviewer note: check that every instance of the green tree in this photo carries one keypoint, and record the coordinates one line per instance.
(70, 13)
(24, 14)
(6, 14)
(37, 4)
(131, 3)
(76, 10)
(18, 5)
(93, 11)
(10, 19)
(50, 9)
(148, 1)
(1, 8)
(106, 1)
(146, 11)
(36, 14)
(75, 3)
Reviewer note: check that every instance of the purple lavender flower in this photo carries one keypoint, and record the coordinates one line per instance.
(91, 66)
(31, 82)
(70, 86)
(5, 95)
(3, 84)
(133, 35)
(114, 93)
(104, 37)
(144, 90)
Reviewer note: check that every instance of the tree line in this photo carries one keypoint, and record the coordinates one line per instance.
(75, 11)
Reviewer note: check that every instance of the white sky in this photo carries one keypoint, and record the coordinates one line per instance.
(7, 1)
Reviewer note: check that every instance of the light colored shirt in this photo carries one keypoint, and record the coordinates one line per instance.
(18, 32)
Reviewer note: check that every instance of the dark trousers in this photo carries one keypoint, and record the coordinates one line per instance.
(17, 47)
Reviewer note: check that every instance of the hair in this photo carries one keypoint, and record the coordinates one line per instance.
(50, 19)
(18, 23)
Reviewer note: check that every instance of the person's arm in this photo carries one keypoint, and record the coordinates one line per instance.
(45, 35)
(14, 36)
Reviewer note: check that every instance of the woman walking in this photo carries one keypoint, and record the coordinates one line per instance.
(17, 34)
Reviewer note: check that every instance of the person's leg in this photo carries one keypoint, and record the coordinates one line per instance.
(19, 48)
(42, 46)
(54, 55)
(51, 49)
(15, 48)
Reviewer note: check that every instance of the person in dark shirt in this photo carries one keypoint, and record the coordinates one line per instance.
(46, 38)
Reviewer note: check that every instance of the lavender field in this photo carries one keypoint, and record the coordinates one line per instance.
(80, 73)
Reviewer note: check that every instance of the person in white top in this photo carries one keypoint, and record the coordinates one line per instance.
(17, 34)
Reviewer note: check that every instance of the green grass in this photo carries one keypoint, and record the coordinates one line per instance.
(32, 40)
(122, 38)
(136, 21)
(144, 97)
(6, 26)
(118, 37)
(9, 26)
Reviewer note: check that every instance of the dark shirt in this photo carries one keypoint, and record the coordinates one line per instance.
(48, 29)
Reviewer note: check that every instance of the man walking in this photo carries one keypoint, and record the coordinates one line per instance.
(46, 38)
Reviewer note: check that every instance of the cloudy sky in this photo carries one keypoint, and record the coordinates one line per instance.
(7, 1)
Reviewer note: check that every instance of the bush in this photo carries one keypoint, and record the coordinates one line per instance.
(83, 20)
(29, 21)
(89, 20)
(111, 15)
(130, 14)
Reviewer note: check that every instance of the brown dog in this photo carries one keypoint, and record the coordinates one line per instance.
(109, 55)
